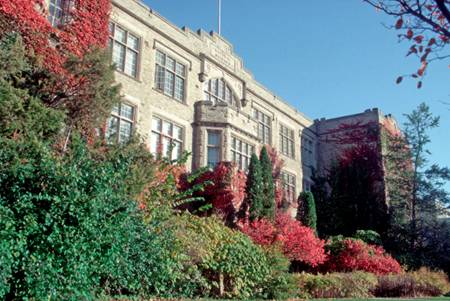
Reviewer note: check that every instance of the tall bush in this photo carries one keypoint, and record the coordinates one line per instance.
(254, 196)
(70, 227)
(306, 213)
(268, 185)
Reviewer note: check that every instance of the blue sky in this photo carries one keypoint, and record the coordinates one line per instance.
(327, 58)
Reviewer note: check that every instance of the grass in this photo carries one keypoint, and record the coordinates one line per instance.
(370, 299)
(391, 299)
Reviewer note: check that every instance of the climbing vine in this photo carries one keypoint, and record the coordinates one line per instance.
(86, 28)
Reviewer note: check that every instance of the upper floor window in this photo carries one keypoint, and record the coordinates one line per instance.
(219, 91)
(120, 123)
(125, 49)
(166, 138)
(307, 151)
(287, 141)
(57, 11)
(288, 186)
(264, 126)
(241, 153)
(170, 76)
(213, 148)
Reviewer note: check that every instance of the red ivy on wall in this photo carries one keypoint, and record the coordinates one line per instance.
(87, 28)
(277, 164)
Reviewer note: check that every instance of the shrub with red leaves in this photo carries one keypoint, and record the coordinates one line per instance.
(352, 254)
(262, 232)
(297, 242)
(223, 188)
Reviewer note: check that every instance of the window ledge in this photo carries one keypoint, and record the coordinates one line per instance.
(129, 76)
(170, 97)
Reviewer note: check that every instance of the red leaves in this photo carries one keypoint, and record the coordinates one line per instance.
(88, 28)
(421, 71)
(399, 23)
(262, 232)
(298, 242)
(357, 255)
(418, 39)
(431, 42)
(409, 34)
(227, 190)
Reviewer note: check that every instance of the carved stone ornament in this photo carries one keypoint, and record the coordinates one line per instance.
(202, 77)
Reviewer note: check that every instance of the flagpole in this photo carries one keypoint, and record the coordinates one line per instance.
(219, 2)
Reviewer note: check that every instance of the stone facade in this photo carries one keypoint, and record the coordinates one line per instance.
(206, 56)
(209, 60)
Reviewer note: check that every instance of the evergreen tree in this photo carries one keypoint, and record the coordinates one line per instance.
(253, 202)
(418, 196)
(268, 185)
(306, 213)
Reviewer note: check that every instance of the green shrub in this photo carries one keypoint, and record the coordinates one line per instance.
(337, 285)
(368, 236)
(70, 229)
(421, 283)
(226, 263)
(306, 213)
(281, 284)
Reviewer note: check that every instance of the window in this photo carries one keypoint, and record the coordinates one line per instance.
(120, 124)
(307, 185)
(57, 11)
(288, 186)
(125, 49)
(264, 126)
(166, 138)
(287, 141)
(241, 153)
(170, 76)
(213, 152)
(307, 151)
(219, 91)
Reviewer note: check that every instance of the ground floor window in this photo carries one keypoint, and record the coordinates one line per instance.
(121, 123)
(241, 152)
(289, 186)
(166, 138)
(213, 147)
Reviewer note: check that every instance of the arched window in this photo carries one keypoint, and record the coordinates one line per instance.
(218, 90)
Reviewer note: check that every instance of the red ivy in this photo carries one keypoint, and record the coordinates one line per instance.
(87, 28)
(299, 243)
(277, 165)
(357, 255)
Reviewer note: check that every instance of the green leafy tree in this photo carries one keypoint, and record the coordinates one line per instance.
(254, 197)
(268, 185)
(417, 234)
(70, 226)
(306, 212)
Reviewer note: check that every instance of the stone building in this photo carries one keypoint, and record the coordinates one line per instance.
(187, 90)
